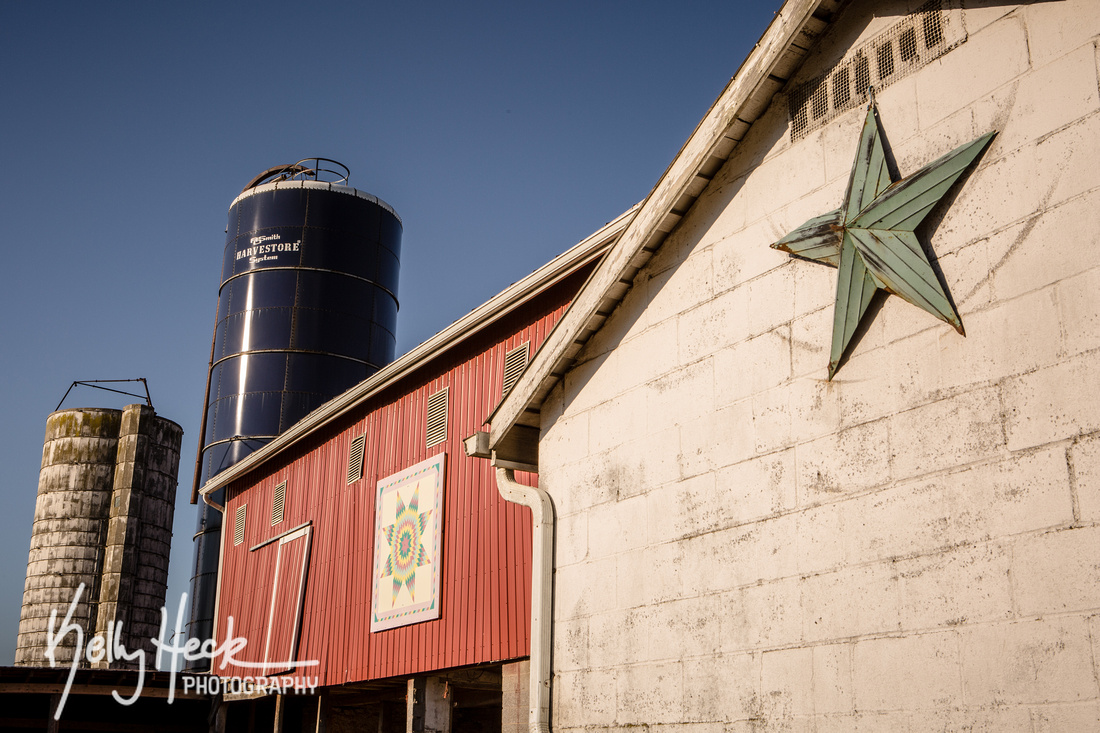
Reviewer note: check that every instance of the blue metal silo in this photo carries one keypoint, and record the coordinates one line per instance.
(307, 309)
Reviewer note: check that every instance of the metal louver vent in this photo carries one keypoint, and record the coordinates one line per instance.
(238, 525)
(437, 418)
(278, 504)
(927, 33)
(355, 459)
(515, 361)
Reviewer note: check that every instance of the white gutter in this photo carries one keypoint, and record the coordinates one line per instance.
(542, 568)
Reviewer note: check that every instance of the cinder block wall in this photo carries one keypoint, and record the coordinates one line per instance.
(912, 546)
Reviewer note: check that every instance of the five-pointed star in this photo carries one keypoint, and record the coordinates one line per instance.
(871, 238)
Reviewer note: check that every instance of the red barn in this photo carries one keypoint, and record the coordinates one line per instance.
(364, 539)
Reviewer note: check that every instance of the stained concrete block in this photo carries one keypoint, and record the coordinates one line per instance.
(879, 382)
(832, 679)
(592, 381)
(966, 272)
(618, 527)
(761, 616)
(971, 71)
(720, 438)
(683, 629)
(1084, 457)
(972, 719)
(650, 694)
(1027, 492)
(1051, 404)
(708, 328)
(1053, 95)
(1027, 662)
(771, 420)
(738, 256)
(810, 341)
(1057, 571)
(911, 673)
(617, 421)
(1013, 337)
(1043, 249)
(1053, 32)
(788, 176)
(757, 488)
(739, 556)
(770, 300)
(571, 645)
(850, 602)
(620, 637)
(786, 683)
(566, 440)
(1066, 718)
(815, 408)
(578, 485)
(1079, 312)
(514, 692)
(649, 575)
(681, 286)
(951, 432)
(847, 462)
(571, 539)
(642, 465)
(962, 585)
(1043, 176)
(682, 395)
(584, 589)
(584, 698)
(646, 357)
(821, 539)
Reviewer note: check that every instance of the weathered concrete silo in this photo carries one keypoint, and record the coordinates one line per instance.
(103, 519)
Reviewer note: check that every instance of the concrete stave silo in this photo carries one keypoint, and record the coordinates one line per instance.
(103, 518)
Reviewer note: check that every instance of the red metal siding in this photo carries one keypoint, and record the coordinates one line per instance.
(485, 587)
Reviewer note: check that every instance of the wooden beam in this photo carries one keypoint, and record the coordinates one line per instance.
(520, 445)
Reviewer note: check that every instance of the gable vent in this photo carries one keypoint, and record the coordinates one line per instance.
(437, 417)
(238, 525)
(922, 36)
(278, 504)
(515, 361)
(355, 459)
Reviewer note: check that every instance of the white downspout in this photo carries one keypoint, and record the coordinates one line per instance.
(542, 568)
(221, 559)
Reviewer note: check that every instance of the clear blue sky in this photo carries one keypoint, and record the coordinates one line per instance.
(502, 133)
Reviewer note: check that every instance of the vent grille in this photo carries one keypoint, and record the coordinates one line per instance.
(355, 459)
(515, 361)
(238, 525)
(278, 504)
(923, 36)
(437, 417)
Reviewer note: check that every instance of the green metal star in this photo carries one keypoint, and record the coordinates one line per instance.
(871, 238)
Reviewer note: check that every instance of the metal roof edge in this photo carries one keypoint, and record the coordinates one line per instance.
(319, 185)
(475, 321)
(774, 59)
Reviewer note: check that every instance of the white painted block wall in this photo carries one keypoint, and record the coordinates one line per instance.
(743, 545)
